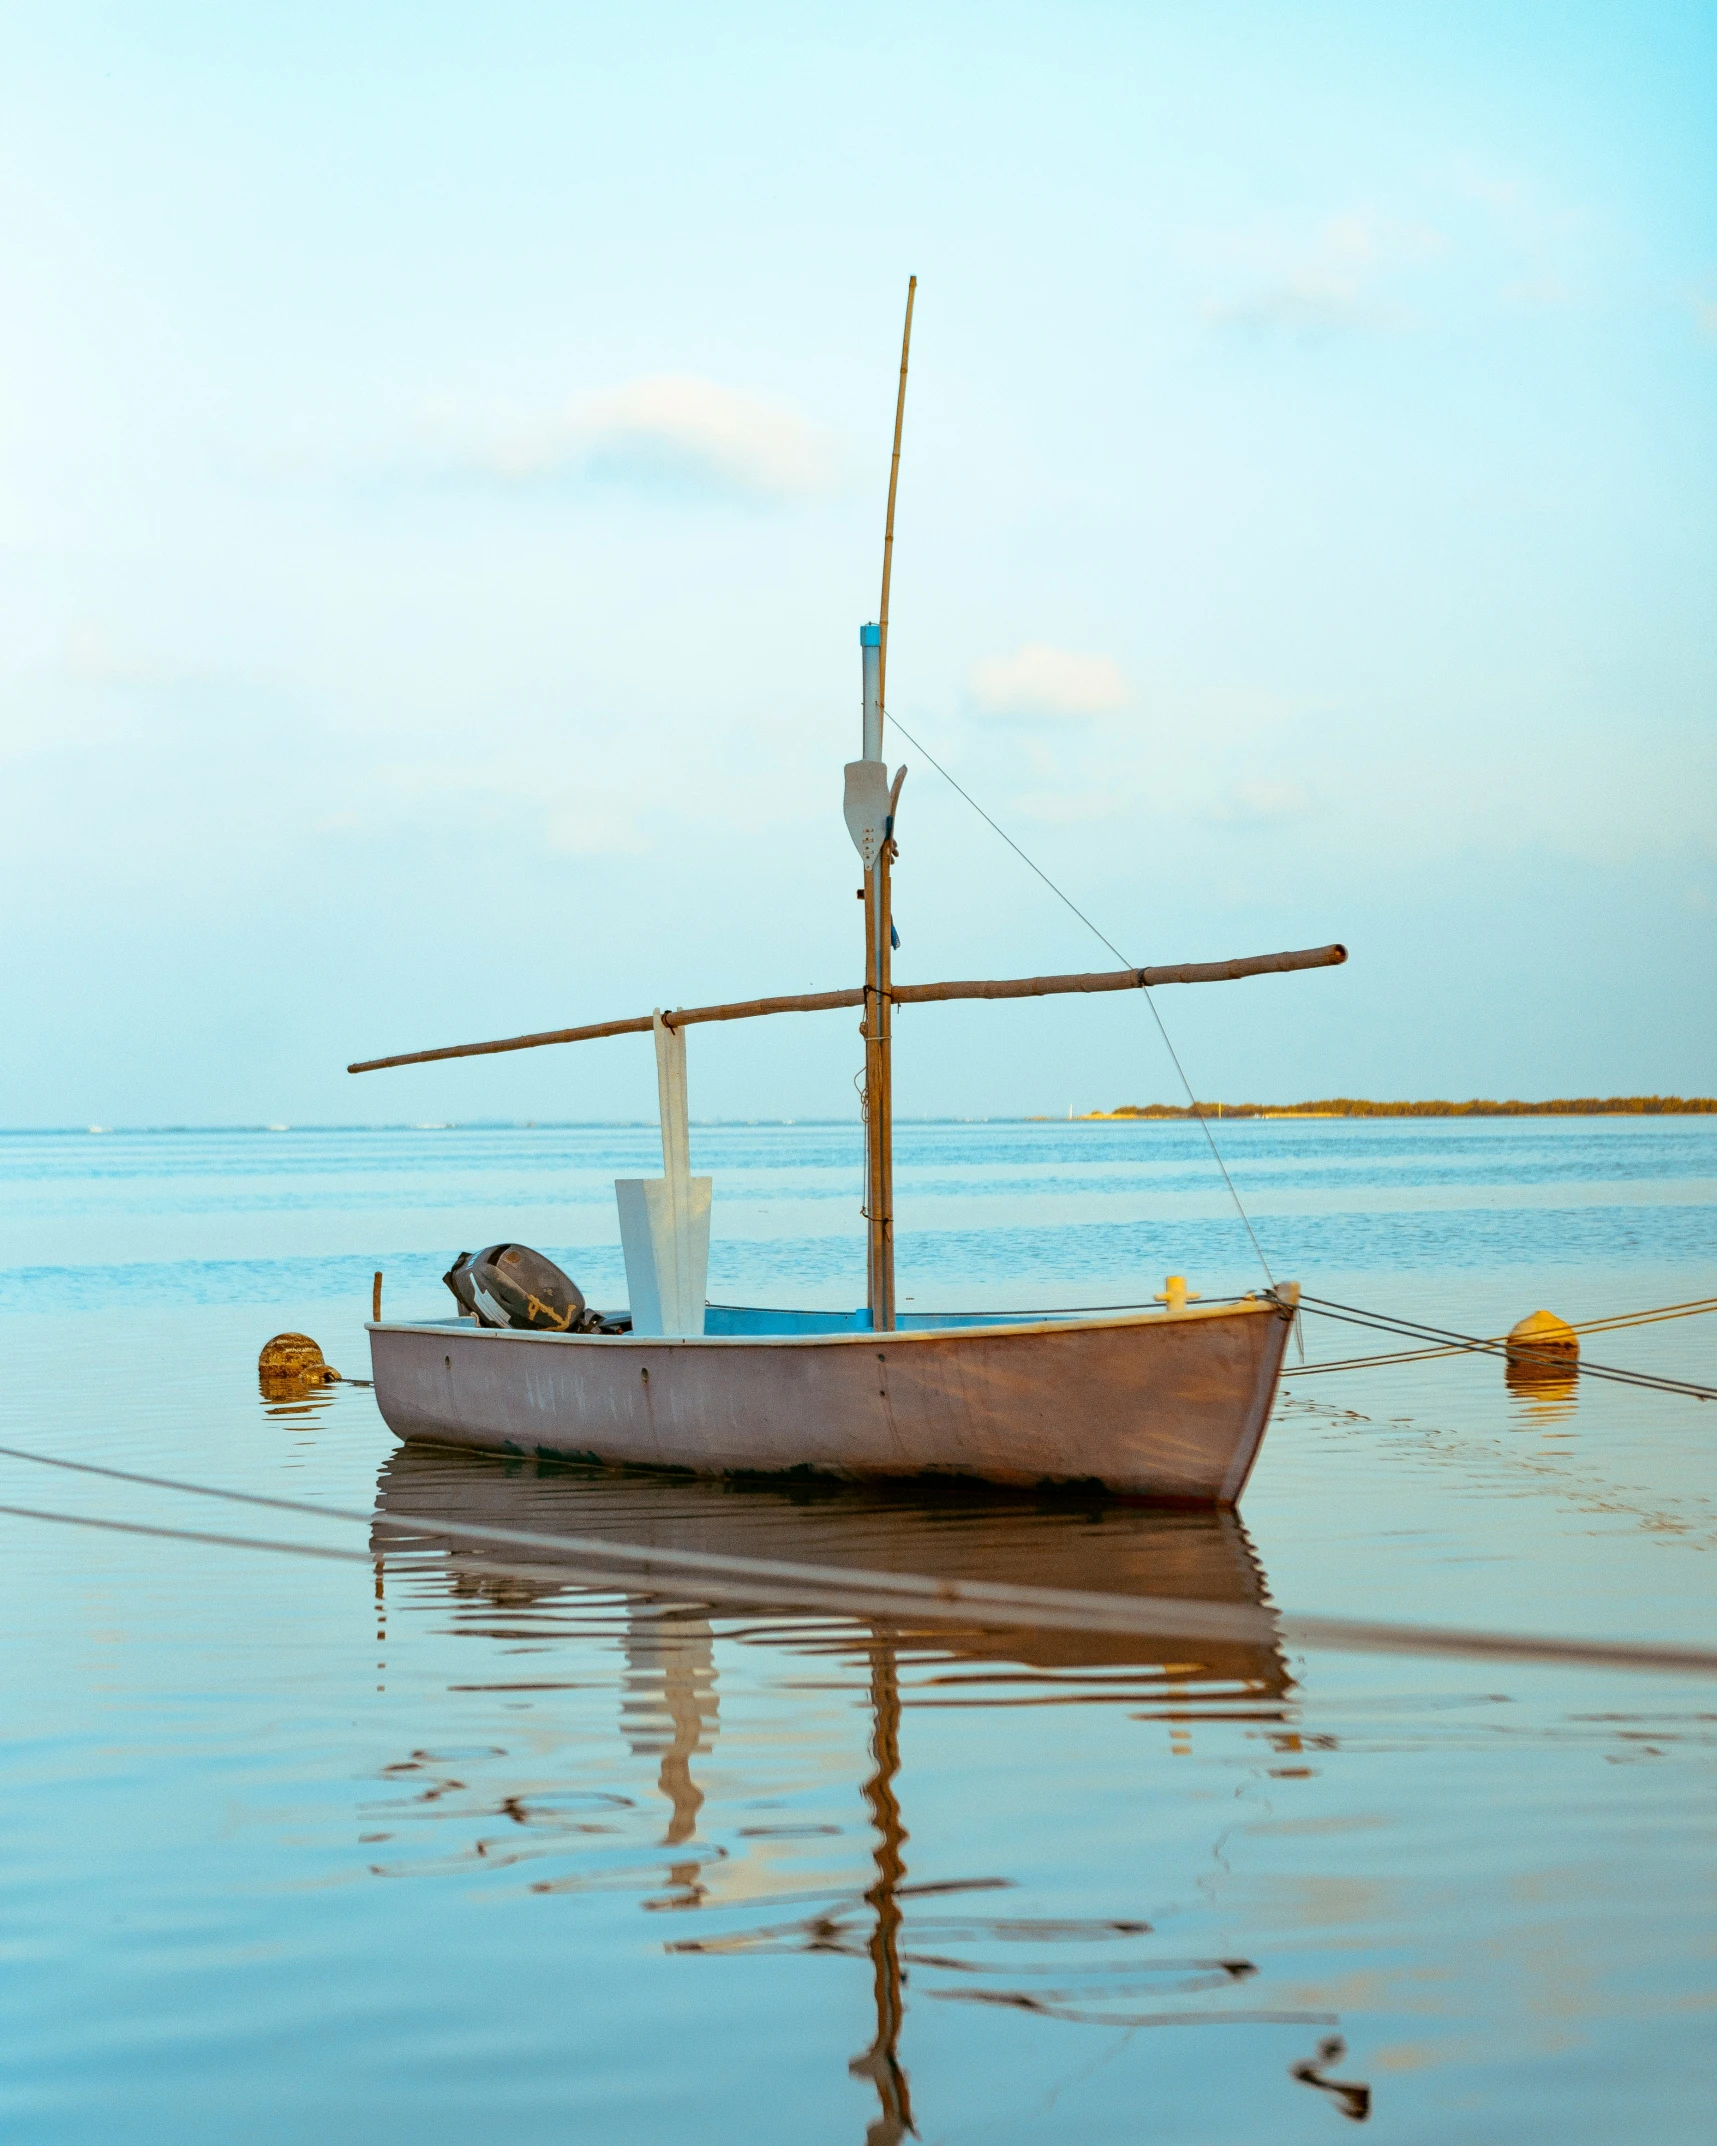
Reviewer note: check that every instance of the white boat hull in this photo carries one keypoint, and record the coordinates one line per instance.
(1169, 1405)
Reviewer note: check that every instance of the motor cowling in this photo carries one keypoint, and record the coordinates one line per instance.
(510, 1285)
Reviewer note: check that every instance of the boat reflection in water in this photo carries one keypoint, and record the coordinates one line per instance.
(1097, 1970)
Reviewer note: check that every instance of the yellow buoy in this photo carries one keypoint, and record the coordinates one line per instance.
(290, 1363)
(1542, 1346)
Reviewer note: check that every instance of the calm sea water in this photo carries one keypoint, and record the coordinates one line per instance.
(396, 1849)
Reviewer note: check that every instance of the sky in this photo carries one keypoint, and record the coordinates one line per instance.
(443, 455)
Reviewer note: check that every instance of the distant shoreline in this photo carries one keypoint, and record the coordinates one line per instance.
(1343, 1106)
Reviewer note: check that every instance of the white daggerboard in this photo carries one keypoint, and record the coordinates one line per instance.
(665, 1240)
(664, 1221)
(867, 807)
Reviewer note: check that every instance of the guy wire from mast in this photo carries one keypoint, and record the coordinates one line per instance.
(1125, 961)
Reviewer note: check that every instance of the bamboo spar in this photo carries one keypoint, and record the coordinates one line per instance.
(893, 485)
(878, 1024)
(1186, 972)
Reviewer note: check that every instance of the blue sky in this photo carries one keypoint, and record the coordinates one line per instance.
(442, 458)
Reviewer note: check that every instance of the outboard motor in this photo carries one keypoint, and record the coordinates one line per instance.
(510, 1285)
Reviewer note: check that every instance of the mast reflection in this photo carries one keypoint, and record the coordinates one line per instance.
(880, 2063)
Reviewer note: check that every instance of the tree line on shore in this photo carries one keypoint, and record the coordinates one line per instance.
(1350, 1106)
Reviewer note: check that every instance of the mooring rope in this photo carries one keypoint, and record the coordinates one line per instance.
(1383, 1323)
(718, 1575)
(1459, 1345)
(1691, 1310)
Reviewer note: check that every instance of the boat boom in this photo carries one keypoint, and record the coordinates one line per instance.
(1186, 972)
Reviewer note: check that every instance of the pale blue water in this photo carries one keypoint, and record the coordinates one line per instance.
(392, 1850)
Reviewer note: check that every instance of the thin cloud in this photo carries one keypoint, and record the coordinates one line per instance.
(1039, 680)
(587, 830)
(1523, 209)
(1308, 306)
(1537, 292)
(671, 429)
(1335, 291)
(1544, 243)
(93, 657)
(1259, 800)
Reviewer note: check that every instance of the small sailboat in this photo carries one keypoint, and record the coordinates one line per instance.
(1169, 1404)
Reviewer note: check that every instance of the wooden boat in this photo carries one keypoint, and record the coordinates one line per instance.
(1153, 1404)
(1165, 1404)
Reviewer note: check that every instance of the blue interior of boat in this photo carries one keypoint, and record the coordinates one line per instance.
(741, 1319)
(757, 1319)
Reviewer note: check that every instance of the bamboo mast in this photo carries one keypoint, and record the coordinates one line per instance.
(878, 944)
(893, 486)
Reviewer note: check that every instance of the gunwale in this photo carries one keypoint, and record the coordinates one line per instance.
(1278, 1306)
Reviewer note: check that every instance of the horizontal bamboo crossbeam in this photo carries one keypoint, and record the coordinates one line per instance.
(1186, 972)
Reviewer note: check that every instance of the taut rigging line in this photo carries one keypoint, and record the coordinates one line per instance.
(1382, 1323)
(904, 1596)
(1690, 1310)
